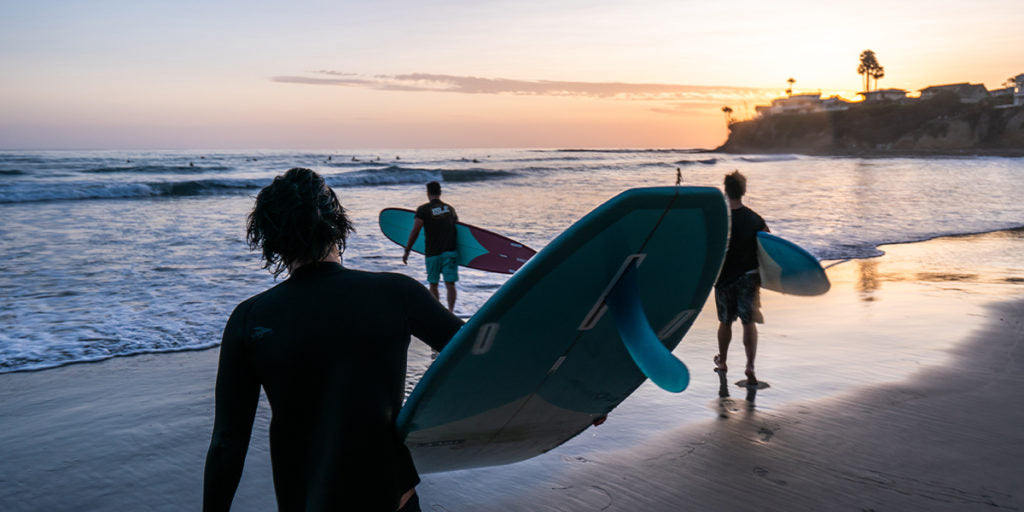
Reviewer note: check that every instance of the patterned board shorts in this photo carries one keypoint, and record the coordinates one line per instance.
(445, 264)
(740, 298)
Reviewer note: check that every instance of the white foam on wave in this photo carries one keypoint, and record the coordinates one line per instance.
(769, 158)
(69, 190)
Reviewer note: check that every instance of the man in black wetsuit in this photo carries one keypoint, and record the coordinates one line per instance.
(737, 291)
(329, 346)
(437, 219)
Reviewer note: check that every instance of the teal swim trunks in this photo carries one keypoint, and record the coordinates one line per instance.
(443, 264)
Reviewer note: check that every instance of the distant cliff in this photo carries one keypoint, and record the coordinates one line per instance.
(938, 126)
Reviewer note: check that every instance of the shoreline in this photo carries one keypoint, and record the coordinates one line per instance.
(213, 346)
(900, 410)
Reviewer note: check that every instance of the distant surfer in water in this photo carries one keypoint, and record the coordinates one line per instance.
(328, 345)
(737, 291)
(437, 219)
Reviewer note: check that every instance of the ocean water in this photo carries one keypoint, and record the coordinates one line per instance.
(110, 253)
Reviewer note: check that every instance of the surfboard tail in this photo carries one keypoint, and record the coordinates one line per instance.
(647, 351)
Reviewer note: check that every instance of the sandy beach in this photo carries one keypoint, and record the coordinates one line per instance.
(895, 391)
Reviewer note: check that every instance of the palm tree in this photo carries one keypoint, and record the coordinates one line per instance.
(868, 65)
(791, 81)
(876, 74)
(727, 110)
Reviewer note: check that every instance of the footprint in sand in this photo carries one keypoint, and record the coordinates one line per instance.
(762, 472)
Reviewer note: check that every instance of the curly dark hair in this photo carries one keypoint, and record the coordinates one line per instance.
(296, 219)
(735, 185)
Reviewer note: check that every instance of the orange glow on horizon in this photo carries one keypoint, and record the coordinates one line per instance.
(501, 74)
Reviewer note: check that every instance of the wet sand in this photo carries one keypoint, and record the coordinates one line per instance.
(949, 439)
(896, 391)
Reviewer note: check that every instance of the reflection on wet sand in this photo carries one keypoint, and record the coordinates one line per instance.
(922, 263)
(868, 279)
(944, 277)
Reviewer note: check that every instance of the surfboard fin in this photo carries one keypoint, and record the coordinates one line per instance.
(647, 351)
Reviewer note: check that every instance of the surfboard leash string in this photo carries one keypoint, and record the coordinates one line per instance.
(663, 214)
(830, 265)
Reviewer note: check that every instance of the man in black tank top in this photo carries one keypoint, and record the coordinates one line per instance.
(737, 291)
(328, 346)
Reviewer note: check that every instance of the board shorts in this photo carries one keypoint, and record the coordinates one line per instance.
(740, 298)
(445, 264)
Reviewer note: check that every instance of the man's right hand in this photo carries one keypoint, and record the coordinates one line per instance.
(417, 225)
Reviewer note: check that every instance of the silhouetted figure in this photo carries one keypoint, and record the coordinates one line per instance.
(737, 291)
(328, 346)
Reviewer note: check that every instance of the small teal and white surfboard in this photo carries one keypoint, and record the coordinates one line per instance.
(786, 268)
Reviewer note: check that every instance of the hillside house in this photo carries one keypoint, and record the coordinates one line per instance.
(1018, 96)
(968, 93)
(1002, 98)
(801, 104)
(835, 103)
(884, 95)
(797, 104)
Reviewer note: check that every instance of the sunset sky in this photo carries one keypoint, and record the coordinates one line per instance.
(417, 74)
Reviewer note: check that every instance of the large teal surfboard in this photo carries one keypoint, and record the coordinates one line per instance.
(787, 268)
(573, 333)
(476, 247)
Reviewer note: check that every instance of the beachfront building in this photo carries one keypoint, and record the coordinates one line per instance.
(1008, 97)
(884, 95)
(1018, 97)
(1002, 98)
(801, 104)
(1004, 95)
(968, 93)
(834, 104)
(797, 104)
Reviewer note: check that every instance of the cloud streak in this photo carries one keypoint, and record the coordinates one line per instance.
(426, 82)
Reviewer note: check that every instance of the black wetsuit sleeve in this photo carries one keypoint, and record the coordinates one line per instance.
(237, 396)
(428, 319)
